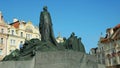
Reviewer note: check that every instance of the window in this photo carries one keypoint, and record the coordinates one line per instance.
(12, 42)
(21, 45)
(28, 36)
(0, 51)
(11, 50)
(114, 60)
(1, 40)
(12, 32)
(2, 30)
(21, 34)
(103, 61)
(109, 60)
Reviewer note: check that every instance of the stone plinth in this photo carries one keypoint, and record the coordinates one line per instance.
(58, 59)
(65, 59)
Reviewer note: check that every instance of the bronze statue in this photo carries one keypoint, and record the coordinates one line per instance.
(45, 27)
(74, 43)
(47, 43)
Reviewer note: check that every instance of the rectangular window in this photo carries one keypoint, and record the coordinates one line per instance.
(21, 34)
(12, 32)
(1, 40)
(2, 30)
(0, 51)
(12, 42)
(28, 36)
(109, 60)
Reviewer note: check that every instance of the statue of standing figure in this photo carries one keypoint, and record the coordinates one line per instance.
(45, 27)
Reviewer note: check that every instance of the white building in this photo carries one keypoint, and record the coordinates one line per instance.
(109, 47)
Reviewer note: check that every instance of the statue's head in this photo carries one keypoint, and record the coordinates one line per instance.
(73, 34)
(45, 8)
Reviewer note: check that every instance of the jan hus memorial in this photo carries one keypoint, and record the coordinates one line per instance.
(47, 53)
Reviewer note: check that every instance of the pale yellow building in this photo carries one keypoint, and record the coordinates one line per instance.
(18, 32)
(3, 37)
(13, 35)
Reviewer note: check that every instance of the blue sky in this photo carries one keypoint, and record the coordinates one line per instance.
(87, 18)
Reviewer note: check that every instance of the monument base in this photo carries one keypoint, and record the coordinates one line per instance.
(58, 59)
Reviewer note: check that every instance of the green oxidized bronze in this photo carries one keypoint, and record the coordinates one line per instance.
(74, 43)
(47, 43)
(45, 27)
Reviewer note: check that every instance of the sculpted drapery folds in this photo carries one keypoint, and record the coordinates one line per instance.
(45, 27)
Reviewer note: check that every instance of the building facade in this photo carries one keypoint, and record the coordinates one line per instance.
(109, 46)
(13, 36)
(101, 52)
(18, 32)
(3, 37)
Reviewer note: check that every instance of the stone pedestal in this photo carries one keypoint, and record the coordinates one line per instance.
(58, 59)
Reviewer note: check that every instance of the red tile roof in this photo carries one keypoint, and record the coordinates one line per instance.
(15, 24)
(103, 40)
(118, 26)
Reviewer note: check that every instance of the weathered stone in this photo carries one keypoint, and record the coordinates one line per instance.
(56, 59)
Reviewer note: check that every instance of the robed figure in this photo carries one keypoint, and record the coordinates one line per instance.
(45, 27)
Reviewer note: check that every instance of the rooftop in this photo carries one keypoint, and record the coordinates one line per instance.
(114, 36)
